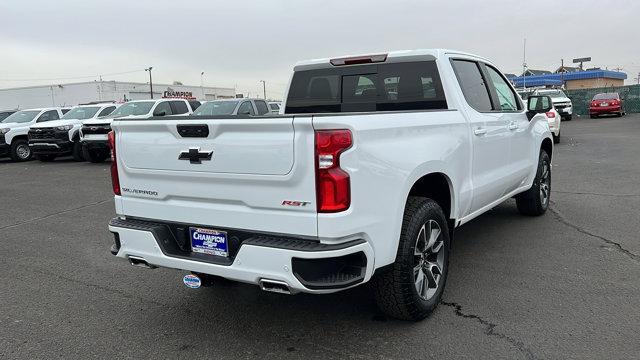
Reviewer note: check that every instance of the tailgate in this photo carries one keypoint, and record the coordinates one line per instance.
(236, 176)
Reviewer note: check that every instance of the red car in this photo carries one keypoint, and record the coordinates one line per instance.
(606, 103)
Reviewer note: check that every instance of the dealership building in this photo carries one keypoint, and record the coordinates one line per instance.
(85, 92)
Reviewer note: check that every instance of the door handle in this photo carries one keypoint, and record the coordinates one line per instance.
(513, 126)
(479, 131)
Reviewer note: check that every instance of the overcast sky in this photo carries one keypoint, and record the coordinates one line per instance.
(240, 43)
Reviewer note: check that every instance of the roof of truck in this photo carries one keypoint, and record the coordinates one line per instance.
(418, 54)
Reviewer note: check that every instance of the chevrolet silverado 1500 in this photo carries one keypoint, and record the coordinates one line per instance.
(364, 177)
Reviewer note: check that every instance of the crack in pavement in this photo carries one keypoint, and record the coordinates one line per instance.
(54, 214)
(596, 194)
(490, 329)
(616, 245)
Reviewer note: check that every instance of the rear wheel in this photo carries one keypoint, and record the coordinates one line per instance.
(535, 201)
(593, 116)
(412, 287)
(20, 150)
(556, 138)
(46, 158)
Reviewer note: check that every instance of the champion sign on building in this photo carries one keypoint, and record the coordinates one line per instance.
(178, 94)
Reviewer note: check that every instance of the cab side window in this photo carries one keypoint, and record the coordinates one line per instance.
(262, 107)
(162, 109)
(179, 107)
(246, 109)
(506, 97)
(106, 111)
(48, 116)
(472, 84)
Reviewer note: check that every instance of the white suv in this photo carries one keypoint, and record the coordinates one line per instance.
(93, 134)
(51, 139)
(14, 140)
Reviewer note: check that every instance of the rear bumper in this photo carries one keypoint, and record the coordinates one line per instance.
(304, 265)
(604, 110)
(95, 144)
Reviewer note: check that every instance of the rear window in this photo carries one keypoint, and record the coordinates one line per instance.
(606, 96)
(380, 87)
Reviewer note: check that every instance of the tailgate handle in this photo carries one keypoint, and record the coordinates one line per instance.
(193, 131)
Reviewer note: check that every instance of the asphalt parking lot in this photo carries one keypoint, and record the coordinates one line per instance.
(564, 285)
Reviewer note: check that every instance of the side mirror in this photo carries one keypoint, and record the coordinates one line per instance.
(161, 113)
(537, 104)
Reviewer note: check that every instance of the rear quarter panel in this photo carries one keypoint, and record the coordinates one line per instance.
(390, 152)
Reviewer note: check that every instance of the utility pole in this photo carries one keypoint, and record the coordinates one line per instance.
(264, 89)
(524, 64)
(202, 84)
(150, 81)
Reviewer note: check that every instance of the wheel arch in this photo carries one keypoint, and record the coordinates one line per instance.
(547, 146)
(18, 137)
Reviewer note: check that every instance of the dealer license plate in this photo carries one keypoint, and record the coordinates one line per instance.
(209, 241)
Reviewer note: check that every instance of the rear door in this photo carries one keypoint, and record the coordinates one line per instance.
(231, 172)
(490, 137)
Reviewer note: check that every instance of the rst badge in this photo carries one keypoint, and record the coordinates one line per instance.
(295, 203)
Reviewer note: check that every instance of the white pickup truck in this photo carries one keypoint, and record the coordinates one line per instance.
(374, 162)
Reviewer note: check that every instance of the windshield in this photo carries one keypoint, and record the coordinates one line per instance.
(553, 93)
(216, 108)
(133, 108)
(606, 96)
(81, 113)
(21, 116)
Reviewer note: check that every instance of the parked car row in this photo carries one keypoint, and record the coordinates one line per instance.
(81, 131)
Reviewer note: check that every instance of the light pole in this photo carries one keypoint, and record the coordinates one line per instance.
(150, 81)
(264, 89)
(202, 84)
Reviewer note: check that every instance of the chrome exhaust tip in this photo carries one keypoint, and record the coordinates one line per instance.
(275, 286)
(140, 262)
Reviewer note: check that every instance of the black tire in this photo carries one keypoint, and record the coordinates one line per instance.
(556, 138)
(77, 152)
(593, 116)
(396, 290)
(534, 202)
(619, 114)
(45, 158)
(95, 155)
(567, 118)
(20, 150)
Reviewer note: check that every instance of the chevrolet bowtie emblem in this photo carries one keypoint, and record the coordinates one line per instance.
(195, 156)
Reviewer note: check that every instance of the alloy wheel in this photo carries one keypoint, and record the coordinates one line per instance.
(428, 260)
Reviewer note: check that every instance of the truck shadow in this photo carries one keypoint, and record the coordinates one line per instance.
(246, 307)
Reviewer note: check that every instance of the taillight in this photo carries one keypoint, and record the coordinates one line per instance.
(551, 114)
(614, 102)
(111, 140)
(333, 188)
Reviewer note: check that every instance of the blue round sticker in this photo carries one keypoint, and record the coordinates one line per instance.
(192, 281)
